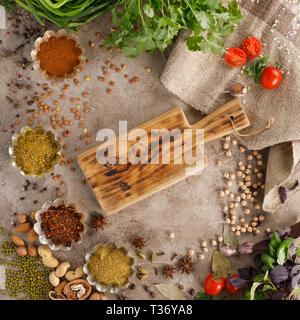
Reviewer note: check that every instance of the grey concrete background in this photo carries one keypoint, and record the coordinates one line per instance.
(191, 209)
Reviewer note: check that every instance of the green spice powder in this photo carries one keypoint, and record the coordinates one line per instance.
(26, 277)
(36, 151)
(110, 266)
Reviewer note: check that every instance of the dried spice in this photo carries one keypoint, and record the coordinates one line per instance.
(59, 56)
(168, 271)
(62, 224)
(294, 186)
(110, 266)
(98, 222)
(186, 265)
(36, 151)
(139, 243)
(282, 194)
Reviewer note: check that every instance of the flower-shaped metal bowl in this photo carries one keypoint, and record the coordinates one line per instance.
(14, 140)
(99, 286)
(47, 35)
(38, 229)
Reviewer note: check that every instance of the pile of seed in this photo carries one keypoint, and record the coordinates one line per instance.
(26, 277)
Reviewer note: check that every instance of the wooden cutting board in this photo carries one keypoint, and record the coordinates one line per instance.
(121, 185)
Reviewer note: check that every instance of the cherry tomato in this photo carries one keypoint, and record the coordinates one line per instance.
(271, 78)
(229, 287)
(252, 47)
(213, 285)
(235, 57)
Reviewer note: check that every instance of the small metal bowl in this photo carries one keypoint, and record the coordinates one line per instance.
(38, 229)
(14, 140)
(47, 35)
(99, 286)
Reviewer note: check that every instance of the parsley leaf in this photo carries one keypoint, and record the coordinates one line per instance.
(144, 25)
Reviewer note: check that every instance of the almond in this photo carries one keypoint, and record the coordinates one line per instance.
(32, 235)
(22, 217)
(32, 251)
(23, 227)
(17, 240)
(32, 215)
(22, 251)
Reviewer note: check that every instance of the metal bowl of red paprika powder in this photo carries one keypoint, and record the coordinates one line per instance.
(60, 225)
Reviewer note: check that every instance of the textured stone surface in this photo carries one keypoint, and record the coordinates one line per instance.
(191, 209)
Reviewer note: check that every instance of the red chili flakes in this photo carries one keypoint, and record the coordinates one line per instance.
(62, 225)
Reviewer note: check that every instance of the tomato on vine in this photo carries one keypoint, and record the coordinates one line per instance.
(268, 77)
(271, 77)
(235, 57)
(252, 47)
(213, 284)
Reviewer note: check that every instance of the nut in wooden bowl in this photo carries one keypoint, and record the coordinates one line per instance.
(77, 290)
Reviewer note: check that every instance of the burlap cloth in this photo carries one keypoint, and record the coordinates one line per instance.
(202, 79)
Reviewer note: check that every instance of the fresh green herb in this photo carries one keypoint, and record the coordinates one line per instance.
(202, 296)
(283, 251)
(263, 281)
(274, 243)
(257, 68)
(9, 5)
(66, 13)
(268, 261)
(145, 25)
(298, 252)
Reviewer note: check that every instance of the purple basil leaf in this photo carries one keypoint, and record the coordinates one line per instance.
(246, 248)
(262, 245)
(294, 186)
(295, 281)
(258, 261)
(282, 194)
(287, 231)
(295, 231)
(247, 273)
(278, 295)
(295, 270)
(279, 274)
(237, 282)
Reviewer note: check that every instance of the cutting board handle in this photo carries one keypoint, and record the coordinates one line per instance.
(220, 122)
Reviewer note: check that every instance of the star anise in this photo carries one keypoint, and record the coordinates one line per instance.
(139, 243)
(98, 222)
(186, 265)
(168, 271)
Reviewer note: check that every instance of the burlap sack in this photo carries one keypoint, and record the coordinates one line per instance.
(201, 80)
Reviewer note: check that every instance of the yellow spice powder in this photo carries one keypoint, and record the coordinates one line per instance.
(36, 151)
(110, 266)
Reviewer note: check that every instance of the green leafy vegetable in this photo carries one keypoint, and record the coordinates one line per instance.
(202, 296)
(298, 252)
(66, 13)
(283, 251)
(257, 68)
(145, 25)
(274, 243)
(268, 261)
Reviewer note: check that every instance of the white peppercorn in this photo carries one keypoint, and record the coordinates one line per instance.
(247, 211)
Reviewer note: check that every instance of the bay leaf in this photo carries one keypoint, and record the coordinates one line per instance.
(169, 291)
(220, 265)
(229, 238)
